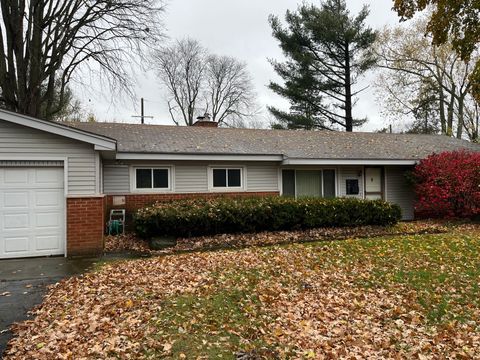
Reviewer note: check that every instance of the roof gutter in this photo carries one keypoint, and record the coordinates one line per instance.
(259, 157)
(301, 161)
(201, 157)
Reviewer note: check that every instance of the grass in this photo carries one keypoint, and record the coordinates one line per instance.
(212, 334)
(215, 324)
(384, 297)
(442, 270)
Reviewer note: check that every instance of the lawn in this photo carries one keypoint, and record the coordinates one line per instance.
(414, 296)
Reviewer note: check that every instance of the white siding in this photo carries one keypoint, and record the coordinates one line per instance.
(191, 179)
(399, 191)
(262, 178)
(345, 173)
(16, 141)
(116, 179)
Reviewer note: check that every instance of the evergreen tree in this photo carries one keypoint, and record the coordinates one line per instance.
(327, 50)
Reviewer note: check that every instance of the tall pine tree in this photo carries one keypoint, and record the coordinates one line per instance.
(327, 50)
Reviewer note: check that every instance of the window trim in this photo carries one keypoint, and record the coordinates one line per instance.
(227, 188)
(133, 179)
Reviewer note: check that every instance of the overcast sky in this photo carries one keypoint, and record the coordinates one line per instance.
(239, 29)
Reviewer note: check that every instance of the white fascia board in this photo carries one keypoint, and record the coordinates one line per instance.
(201, 157)
(51, 127)
(348, 162)
(103, 148)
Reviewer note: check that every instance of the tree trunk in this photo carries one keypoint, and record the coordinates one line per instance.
(443, 121)
(475, 124)
(460, 117)
(450, 114)
(475, 133)
(348, 92)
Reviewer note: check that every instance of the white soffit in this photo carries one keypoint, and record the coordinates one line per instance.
(100, 142)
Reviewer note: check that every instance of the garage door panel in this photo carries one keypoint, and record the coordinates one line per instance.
(48, 198)
(15, 200)
(15, 245)
(52, 219)
(47, 242)
(16, 221)
(16, 177)
(32, 212)
(47, 177)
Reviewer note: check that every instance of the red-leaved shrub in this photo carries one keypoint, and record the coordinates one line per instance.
(448, 185)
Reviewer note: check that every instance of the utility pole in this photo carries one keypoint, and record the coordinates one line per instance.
(142, 112)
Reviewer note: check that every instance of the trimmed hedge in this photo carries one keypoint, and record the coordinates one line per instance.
(198, 217)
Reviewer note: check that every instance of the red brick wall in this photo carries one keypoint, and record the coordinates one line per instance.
(134, 202)
(85, 225)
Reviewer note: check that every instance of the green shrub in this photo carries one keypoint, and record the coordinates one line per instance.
(198, 217)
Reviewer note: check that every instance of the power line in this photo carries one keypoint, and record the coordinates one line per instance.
(142, 115)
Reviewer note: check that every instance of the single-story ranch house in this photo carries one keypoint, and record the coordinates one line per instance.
(58, 181)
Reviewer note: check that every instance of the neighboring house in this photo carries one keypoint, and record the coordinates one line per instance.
(57, 182)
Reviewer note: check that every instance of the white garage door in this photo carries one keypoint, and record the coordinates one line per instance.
(32, 212)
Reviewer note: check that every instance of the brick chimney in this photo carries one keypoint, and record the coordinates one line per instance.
(204, 121)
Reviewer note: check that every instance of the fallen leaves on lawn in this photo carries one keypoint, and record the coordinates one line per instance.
(288, 237)
(327, 300)
(129, 242)
(108, 311)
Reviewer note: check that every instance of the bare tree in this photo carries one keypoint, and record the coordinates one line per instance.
(45, 43)
(229, 90)
(181, 68)
(423, 81)
(67, 108)
(198, 82)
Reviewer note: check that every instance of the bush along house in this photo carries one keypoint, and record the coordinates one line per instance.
(58, 180)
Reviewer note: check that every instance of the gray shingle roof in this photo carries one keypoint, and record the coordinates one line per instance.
(290, 143)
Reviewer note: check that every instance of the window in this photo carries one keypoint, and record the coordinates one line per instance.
(352, 187)
(144, 178)
(152, 178)
(309, 183)
(226, 178)
(328, 184)
(288, 183)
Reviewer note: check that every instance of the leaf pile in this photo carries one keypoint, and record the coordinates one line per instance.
(125, 243)
(131, 243)
(414, 296)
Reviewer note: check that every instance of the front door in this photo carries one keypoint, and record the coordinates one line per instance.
(373, 183)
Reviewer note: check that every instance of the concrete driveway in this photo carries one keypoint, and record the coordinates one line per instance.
(23, 283)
